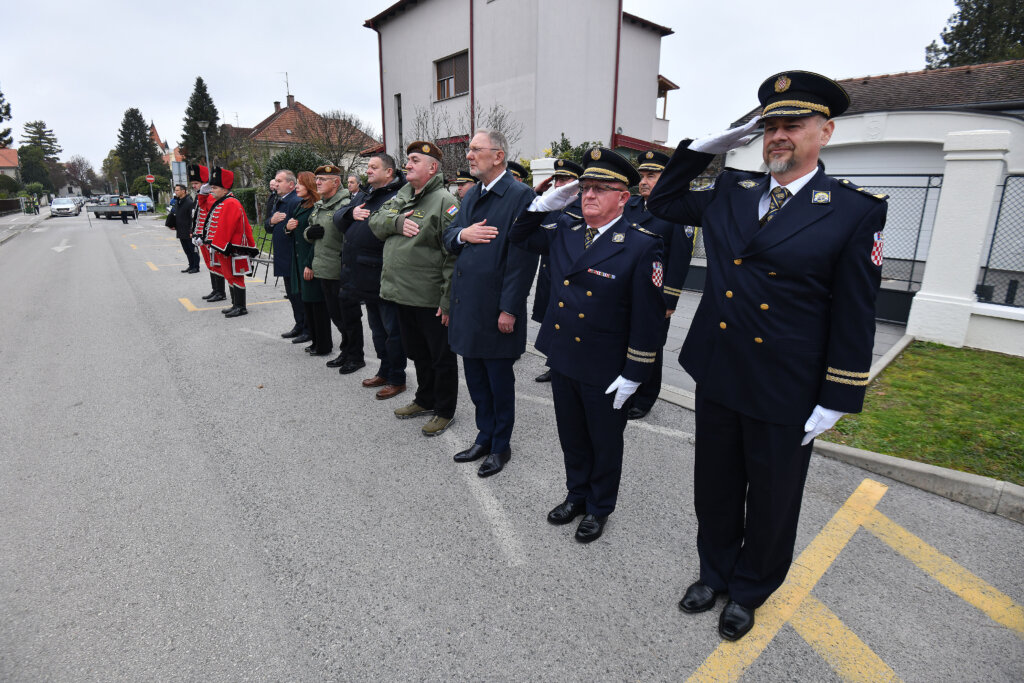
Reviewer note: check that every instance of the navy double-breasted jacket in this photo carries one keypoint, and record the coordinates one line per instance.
(606, 312)
(283, 246)
(678, 240)
(490, 278)
(787, 318)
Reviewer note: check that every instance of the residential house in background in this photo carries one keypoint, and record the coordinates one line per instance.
(583, 68)
(167, 153)
(9, 162)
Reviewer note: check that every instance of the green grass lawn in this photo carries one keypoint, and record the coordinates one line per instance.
(956, 408)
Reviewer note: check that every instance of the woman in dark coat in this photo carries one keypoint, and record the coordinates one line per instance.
(313, 303)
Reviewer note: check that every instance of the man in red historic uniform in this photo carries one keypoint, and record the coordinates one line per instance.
(199, 178)
(229, 236)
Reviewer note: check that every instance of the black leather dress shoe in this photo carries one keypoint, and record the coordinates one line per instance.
(192, 271)
(187, 270)
(350, 366)
(206, 297)
(494, 463)
(590, 529)
(337, 362)
(302, 339)
(635, 413)
(292, 333)
(310, 349)
(736, 621)
(219, 296)
(566, 512)
(474, 452)
(314, 352)
(699, 597)
(543, 377)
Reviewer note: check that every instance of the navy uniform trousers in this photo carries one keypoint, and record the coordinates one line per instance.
(492, 387)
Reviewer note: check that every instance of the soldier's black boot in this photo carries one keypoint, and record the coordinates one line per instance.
(218, 288)
(213, 286)
(238, 295)
(234, 303)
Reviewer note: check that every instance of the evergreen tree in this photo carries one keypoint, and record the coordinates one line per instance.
(5, 115)
(33, 166)
(200, 108)
(134, 144)
(38, 135)
(981, 31)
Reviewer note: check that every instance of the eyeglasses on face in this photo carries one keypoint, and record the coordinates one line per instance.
(477, 150)
(597, 188)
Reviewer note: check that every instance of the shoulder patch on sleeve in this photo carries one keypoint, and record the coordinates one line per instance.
(452, 210)
(843, 182)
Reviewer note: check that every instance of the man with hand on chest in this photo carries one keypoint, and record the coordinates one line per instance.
(780, 345)
(601, 330)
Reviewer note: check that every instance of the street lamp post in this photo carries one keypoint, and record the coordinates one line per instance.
(203, 125)
(151, 200)
(126, 188)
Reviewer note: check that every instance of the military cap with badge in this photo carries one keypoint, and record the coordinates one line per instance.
(651, 161)
(463, 177)
(328, 169)
(518, 171)
(424, 147)
(567, 169)
(795, 94)
(601, 163)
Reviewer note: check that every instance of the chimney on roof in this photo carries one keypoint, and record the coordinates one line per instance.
(291, 100)
(277, 106)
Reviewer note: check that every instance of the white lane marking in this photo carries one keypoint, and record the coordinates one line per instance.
(501, 528)
(638, 424)
(43, 229)
(62, 246)
(262, 334)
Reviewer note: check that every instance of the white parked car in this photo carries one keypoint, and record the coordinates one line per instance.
(64, 206)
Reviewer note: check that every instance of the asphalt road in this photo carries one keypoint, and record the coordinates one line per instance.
(185, 497)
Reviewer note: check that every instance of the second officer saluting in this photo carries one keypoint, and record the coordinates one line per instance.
(601, 331)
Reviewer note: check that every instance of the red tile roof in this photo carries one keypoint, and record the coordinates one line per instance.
(8, 158)
(997, 86)
(294, 123)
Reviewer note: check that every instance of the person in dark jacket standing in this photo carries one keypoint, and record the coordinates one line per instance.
(361, 262)
(287, 202)
(304, 280)
(780, 345)
(183, 226)
(492, 279)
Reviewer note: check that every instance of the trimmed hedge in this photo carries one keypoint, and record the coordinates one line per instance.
(247, 195)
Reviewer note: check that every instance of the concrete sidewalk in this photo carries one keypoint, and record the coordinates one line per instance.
(14, 224)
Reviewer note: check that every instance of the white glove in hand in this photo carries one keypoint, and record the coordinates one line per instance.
(557, 199)
(205, 189)
(821, 420)
(623, 389)
(197, 241)
(721, 143)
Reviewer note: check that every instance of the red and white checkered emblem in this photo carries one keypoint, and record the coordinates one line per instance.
(657, 274)
(876, 250)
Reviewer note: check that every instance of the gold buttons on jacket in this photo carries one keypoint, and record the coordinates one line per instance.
(722, 325)
(561, 304)
(728, 294)
(764, 307)
(581, 316)
(737, 261)
(557, 326)
(578, 339)
(772, 274)
(758, 340)
(589, 293)
(566, 283)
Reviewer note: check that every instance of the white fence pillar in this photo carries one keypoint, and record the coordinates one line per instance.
(541, 169)
(975, 165)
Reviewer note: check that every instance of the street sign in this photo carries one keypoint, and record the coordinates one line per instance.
(150, 179)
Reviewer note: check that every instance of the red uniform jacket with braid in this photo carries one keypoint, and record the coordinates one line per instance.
(227, 228)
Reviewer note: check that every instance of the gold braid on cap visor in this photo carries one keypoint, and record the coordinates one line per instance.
(604, 174)
(796, 104)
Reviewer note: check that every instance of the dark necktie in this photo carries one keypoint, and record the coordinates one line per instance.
(588, 239)
(779, 196)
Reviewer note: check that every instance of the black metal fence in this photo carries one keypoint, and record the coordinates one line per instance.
(913, 200)
(1003, 272)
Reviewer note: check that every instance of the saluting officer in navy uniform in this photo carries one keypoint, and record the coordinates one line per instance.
(601, 331)
(463, 182)
(566, 171)
(781, 342)
(678, 241)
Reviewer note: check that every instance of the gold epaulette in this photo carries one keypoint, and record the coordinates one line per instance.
(867, 193)
(645, 230)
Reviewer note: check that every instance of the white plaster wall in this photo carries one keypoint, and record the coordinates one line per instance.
(638, 81)
(996, 328)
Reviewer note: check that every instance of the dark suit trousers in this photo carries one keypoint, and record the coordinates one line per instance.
(647, 393)
(190, 251)
(387, 340)
(437, 368)
(298, 310)
(319, 325)
(748, 482)
(347, 317)
(590, 432)
(492, 386)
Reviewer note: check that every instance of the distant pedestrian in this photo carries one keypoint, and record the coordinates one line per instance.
(181, 216)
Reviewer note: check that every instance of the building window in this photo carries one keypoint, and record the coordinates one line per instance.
(452, 76)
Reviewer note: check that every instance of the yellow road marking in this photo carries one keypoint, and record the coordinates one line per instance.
(730, 660)
(972, 589)
(847, 654)
(191, 308)
(133, 246)
(151, 265)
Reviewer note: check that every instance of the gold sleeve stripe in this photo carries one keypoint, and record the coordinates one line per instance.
(848, 373)
(652, 354)
(672, 290)
(638, 359)
(843, 380)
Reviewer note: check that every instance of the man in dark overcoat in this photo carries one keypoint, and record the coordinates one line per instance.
(780, 345)
(284, 256)
(601, 330)
(182, 216)
(492, 279)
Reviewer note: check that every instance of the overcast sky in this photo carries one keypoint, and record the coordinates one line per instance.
(78, 65)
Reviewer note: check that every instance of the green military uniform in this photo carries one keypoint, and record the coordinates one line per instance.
(327, 255)
(417, 270)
